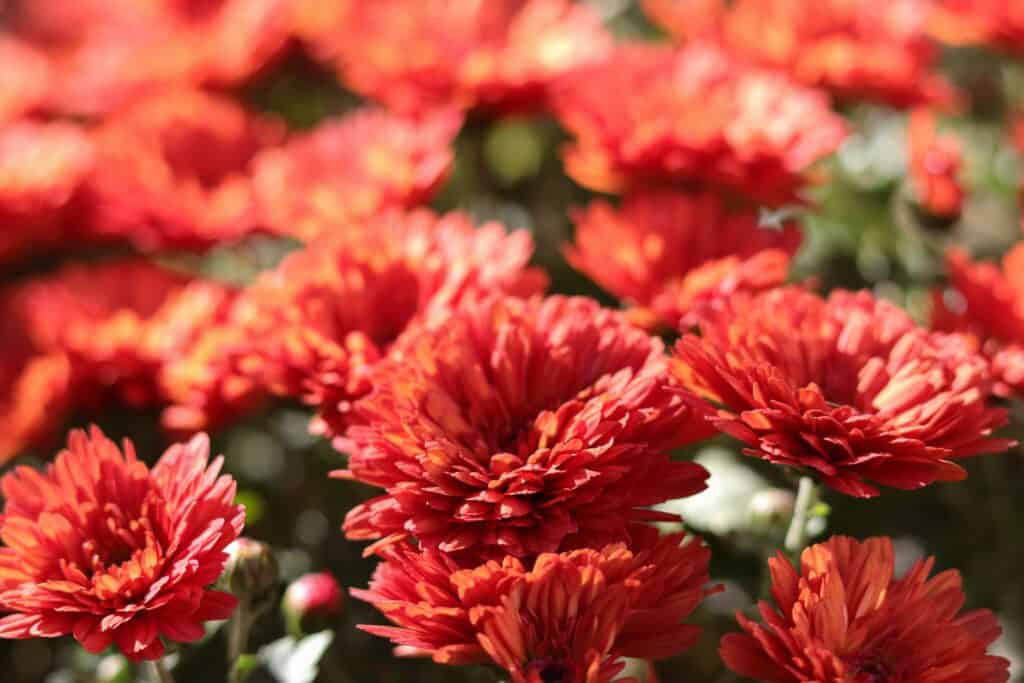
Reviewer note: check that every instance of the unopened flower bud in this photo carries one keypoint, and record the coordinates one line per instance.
(311, 602)
(251, 570)
(771, 509)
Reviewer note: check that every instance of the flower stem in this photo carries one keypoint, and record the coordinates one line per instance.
(238, 637)
(806, 497)
(160, 672)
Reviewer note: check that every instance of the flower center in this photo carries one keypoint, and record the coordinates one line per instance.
(869, 670)
(549, 670)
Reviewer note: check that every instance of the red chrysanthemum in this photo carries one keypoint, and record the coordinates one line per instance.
(173, 171)
(998, 23)
(33, 385)
(103, 53)
(520, 427)
(987, 302)
(352, 168)
(693, 117)
(24, 79)
(117, 323)
(312, 327)
(101, 547)
(846, 388)
(561, 618)
(858, 49)
(420, 54)
(42, 167)
(935, 162)
(845, 618)
(675, 253)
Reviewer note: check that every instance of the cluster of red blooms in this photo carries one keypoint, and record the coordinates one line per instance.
(520, 442)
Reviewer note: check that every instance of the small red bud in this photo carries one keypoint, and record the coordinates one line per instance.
(312, 599)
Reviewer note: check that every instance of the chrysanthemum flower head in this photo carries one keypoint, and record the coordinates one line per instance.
(995, 23)
(694, 117)
(24, 80)
(101, 547)
(173, 171)
(560, 618)
(844, 617)
(676, 253)
(935, 162)
(352, 168)
(846, 388)
(519, 427)
(421, 54)
(42, 167)
(33, 386)
(311, 328)
(103, 54)
(877, 50)
(986, 301)
(117, 323)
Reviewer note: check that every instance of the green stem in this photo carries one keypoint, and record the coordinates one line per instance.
(238, 637)
(806, 497)
(160, 672)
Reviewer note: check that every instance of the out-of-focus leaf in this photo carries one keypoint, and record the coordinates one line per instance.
(291, 660)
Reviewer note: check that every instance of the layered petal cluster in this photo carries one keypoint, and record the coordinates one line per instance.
(996, 23)
(876, 50)
(173, 171)
(519, 427)
(105, 53)
(986, 301)
(24, 80)
(935, 163)
(33, 386)
(101, 547)
(312, 328)
(676, 253)
(693, 117)
(843, 617)
(42, 168)
(90, 334)
(351, 168)
(846, 388)
(118, 323)
(414, 55)
(560, 618)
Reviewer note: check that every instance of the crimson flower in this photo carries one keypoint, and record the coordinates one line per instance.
(33, 386)
(876, 50)
(416, 55)
(117, 337)
(24, 80)
(103, 55)
(996, 23)
(352, 168)
(847, 388)
(694, 117)
(519, 427)
(173, 171)
(80, 339)
(843, 617)
(561, 618)
(986, 301)
(101, 547)
(935, 162)
(676, 253)
(312, 328)
(42, 168)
